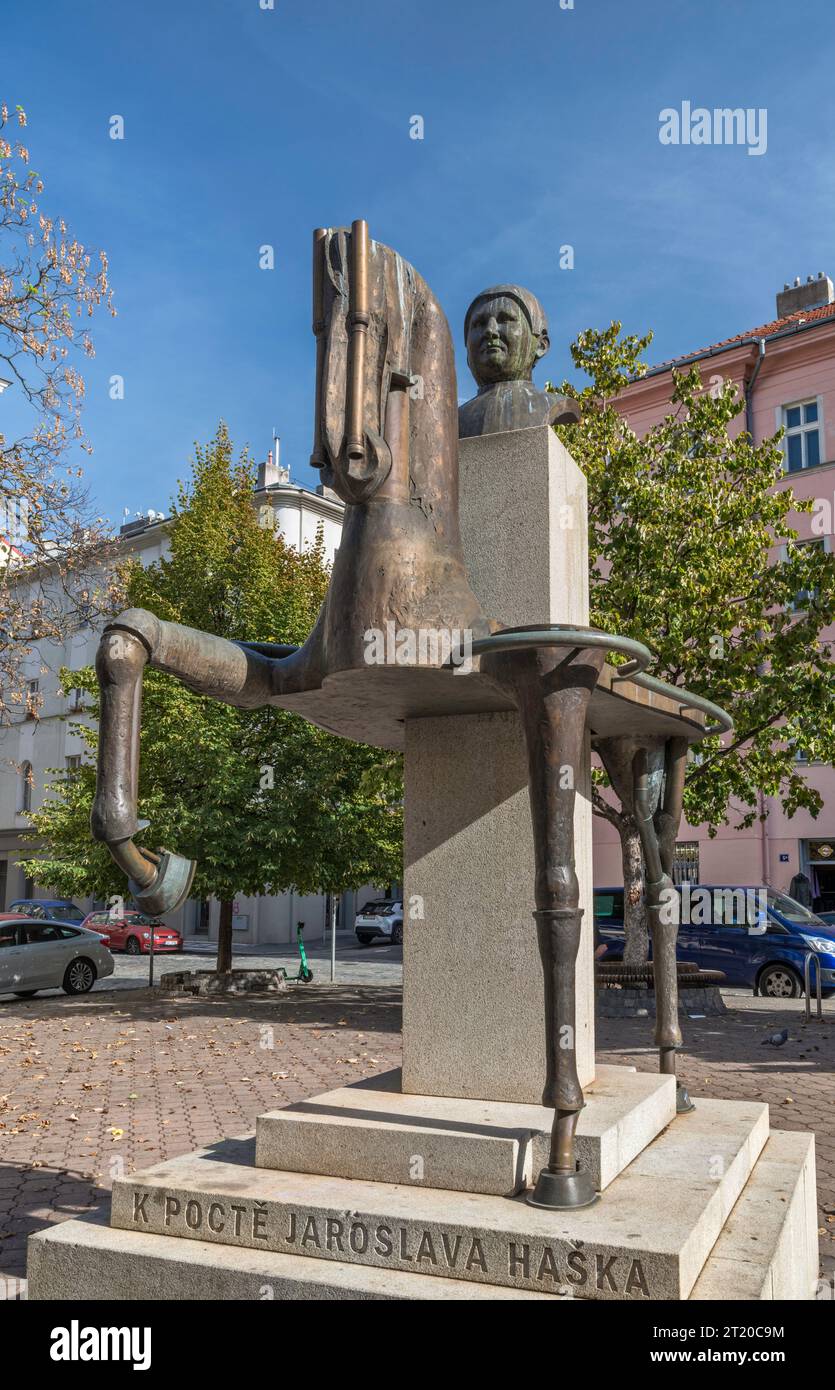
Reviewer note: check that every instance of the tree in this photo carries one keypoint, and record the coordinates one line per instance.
(261, 799)
(684, 527)
(52, 546)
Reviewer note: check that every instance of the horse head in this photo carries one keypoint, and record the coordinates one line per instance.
(386, 397)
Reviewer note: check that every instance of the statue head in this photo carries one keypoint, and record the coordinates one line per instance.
(506, 332)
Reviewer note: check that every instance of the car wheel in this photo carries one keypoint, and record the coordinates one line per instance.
(780, 982)
(80, 976)
(134, 947)
(397, 934)
(25, 993)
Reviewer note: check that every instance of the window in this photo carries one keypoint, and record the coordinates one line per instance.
(608, 907)
(76, 700)
(32, 698)
(686, 862)
(25, 791)
(40, 932)
(802, 439)
(731, 908)
(803, 596)
(73, 766)
(8, 934)
(84, 610)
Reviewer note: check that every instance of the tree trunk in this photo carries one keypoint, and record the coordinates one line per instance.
(224, 937)
(636, 943)
(636, 932)
(618, 758)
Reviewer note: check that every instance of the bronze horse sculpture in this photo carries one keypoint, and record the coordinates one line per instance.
(386, 440)
(390, 453)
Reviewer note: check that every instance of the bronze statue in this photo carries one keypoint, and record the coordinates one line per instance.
(386, 440)
(506, 333)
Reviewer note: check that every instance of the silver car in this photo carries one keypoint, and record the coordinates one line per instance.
(382, 920)
(50, 955)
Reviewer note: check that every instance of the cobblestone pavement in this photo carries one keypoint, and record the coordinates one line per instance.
(112, 1083)
(106, 1084)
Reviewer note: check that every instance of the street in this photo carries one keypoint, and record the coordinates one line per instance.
(355, 964)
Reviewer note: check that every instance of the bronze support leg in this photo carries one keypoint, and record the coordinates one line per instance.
(552, 691)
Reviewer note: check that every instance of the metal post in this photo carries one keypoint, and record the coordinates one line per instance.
(151, 961)
(807, 983)
(333, 937)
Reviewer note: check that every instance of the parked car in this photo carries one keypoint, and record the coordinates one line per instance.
(49, 910)
(131, 931)
(767, 955)
(382, 920)
(827, 917)
(35, 954)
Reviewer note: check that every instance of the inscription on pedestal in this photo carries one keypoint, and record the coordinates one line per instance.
(494, 1257)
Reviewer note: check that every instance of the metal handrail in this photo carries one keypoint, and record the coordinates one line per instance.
(523, 638)
(807, 984)
(723, 722)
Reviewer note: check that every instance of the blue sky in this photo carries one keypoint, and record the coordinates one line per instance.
(246, 126)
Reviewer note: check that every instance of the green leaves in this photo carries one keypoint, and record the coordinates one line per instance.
(692, 551)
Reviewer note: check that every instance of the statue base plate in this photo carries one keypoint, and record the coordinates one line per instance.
(563, 1191)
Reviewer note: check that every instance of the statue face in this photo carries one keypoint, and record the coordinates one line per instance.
(500, 343)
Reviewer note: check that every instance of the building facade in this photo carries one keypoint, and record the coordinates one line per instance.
(42, 738)
(785, 372)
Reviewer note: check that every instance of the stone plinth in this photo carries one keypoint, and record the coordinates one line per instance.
(472, 980)
(374, 1131)
(630, 1245)
(767, 1250)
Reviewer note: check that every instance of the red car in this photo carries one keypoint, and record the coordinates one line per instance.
(132, 932)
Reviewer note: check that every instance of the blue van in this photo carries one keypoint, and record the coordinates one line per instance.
(764, 949)
(49, 910)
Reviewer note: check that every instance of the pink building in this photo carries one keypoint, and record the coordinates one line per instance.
(786, 372)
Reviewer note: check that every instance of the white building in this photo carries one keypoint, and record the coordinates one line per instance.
(43, 738)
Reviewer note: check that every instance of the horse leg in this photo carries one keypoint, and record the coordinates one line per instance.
(658, 832)
(552, 694)
(209, 665)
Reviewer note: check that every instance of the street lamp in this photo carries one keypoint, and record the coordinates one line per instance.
(3, 384)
